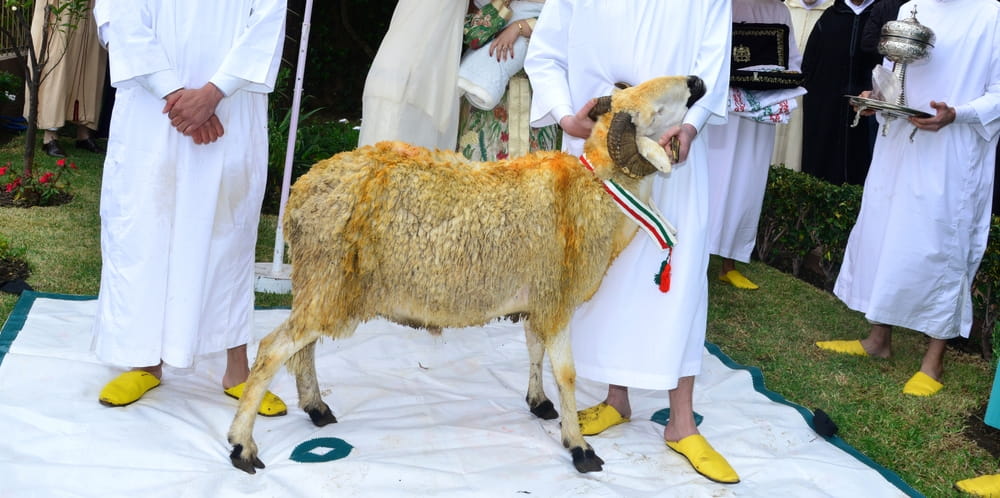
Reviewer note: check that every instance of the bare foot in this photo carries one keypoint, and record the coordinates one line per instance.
(156, 370)
(237, 367)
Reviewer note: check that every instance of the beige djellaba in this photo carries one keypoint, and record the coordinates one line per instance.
(73, 82)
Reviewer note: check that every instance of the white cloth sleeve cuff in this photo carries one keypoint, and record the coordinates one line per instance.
(228, 85)
(561, 111)
(553, 117)
(697, 116)
(160, 83)
(965, 114)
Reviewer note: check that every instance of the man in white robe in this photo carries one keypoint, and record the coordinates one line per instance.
(925, 215)
(411, 92)
(630, 333)
(739, 157)
(183, 183)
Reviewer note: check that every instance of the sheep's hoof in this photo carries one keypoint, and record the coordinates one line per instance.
(544, 410)
(322, 416)
(585, 460)
(248, 466)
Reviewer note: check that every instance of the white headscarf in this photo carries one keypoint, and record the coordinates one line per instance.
(859, 8)
(814, 4)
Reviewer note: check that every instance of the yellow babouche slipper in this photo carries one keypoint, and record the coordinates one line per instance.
(736, 279)
(981, 486)
(921, 384)
(845, 347)
(270, 406)
(705, 460)
(598, 418)
(127, 388)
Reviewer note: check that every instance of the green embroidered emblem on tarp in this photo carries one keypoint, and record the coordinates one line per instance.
(662, 416)
(336, 449)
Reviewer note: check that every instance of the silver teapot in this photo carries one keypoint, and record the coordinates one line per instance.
(903, 42)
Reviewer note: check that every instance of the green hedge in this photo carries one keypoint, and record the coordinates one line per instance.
(803, 215)
(316, 138)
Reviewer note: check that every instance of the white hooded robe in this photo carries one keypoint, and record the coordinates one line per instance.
(925, 214)
(630, 333)
(179, 220)
(739, 154)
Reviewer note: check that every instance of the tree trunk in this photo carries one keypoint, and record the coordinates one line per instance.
(31, 130)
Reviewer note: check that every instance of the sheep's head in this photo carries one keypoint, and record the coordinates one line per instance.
(634, 118)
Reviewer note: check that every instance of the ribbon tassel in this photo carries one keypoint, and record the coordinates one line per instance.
(662, 279)
(649, 219)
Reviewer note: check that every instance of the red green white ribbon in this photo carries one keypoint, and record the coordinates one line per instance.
(645, 215)
(649, 220)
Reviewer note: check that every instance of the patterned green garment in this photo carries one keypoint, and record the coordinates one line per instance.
(484, 135)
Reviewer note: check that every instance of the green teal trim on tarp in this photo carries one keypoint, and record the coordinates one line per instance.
(758, 385)
(15, 322)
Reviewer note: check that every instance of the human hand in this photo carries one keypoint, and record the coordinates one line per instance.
(677, 141)
(188, 109)
(579, 125)
(944, 117)
(209, 132)
(867, 94)
(503, 45)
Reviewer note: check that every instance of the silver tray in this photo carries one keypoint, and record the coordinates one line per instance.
(886, 107)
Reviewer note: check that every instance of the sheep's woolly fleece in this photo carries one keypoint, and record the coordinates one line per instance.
(482, 208)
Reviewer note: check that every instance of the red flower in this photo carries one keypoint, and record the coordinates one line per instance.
(10, 187)
(501, 155)
(46, 177)
(504, 136)
(72, 165)
(3, 170)
(61, 163)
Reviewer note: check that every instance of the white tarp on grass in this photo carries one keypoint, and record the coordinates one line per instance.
(441, 416)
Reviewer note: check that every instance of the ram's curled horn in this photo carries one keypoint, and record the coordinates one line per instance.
(624, 150)
(602, 106)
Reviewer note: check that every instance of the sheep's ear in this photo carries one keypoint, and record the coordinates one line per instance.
(654, 153)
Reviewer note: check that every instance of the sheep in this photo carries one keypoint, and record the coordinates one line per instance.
(429, 239)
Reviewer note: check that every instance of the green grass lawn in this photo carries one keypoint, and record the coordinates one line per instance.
(773, 328)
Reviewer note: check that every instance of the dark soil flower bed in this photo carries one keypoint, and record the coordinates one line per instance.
(13, 269)
(7, 200)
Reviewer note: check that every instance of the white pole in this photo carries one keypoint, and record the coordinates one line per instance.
(277, 267)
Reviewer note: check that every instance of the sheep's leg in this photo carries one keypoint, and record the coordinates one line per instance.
(303, 366)
(274, 350)
(538, 402)
(561, 357)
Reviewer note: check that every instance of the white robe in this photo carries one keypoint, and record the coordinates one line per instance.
(179, 220)
(739, 155)
(925, 214)
(788, 139)
(411, 92)
(630, 333)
